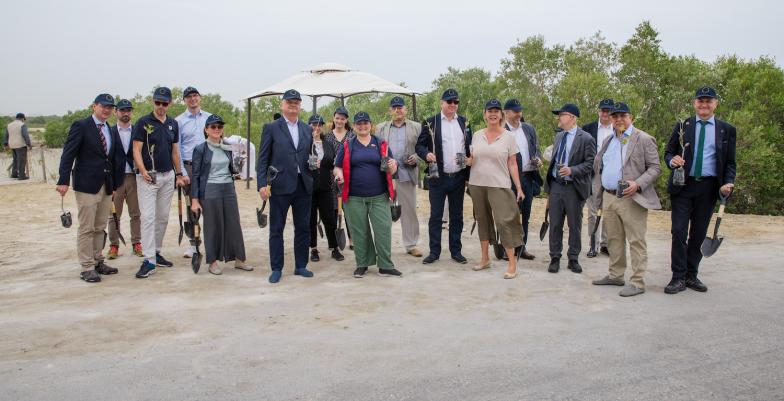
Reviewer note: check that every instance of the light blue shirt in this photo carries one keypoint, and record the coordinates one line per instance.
(294, 131)
(106, 134)
(708, 148)
(612, 160)
(191, 134)
(569, 137)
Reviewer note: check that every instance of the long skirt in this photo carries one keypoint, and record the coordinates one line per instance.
(222, 230)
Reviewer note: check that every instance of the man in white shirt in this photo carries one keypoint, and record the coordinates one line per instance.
(126, 193)
(599, 130)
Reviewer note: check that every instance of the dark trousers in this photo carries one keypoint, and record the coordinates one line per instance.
(692, 209)
(19, 166)
(565, 205)
(299, 201)
(529, 186)
(451, 188)
(322, 205)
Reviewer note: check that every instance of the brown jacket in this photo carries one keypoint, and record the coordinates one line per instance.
(641, 166)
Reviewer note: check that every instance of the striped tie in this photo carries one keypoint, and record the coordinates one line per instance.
(103, 139)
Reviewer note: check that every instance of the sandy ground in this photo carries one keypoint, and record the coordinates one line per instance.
(442, 332)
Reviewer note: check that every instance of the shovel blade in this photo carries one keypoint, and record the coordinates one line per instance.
(543, 230)
(710, 246)
(340, 235)
(473, 226)
(196, 261)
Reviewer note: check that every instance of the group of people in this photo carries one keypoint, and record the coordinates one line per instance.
(367, 176)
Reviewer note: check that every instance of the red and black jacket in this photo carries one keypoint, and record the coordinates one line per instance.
(383, 150)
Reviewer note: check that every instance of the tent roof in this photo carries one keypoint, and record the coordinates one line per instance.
(332, 79)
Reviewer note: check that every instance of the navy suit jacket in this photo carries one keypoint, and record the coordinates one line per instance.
(424, 143)
(725, 151)
(83, 157)
(126, 157)
(533, 151)
(277, 149)
(592, 128)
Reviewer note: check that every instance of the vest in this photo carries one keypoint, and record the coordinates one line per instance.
(15, 139)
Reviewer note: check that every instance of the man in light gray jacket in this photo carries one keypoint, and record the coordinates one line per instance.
(401, 134)
(17, 138)
(627, 166)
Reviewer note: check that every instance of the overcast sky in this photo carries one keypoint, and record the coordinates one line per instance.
(58, 55)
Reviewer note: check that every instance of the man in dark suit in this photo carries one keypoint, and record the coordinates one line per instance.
(568, 183)
(92, 153)
(709, 163)
(443, 137)
(126, 190)
(528, 162)
(599, 130)
(285, 145)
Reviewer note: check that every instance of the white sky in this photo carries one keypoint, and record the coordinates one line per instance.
(58, 54)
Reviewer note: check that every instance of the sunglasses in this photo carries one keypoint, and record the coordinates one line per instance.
(164, 104)
(452, 102)
(215, 126)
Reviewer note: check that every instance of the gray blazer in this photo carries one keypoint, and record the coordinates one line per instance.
(580, 161)
(641, 165)
(413, 129)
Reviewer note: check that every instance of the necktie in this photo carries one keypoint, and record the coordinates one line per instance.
(700, 144)
(560, 156)
(103, 139)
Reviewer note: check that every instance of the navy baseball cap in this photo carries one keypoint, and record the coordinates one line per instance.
(20, 116)
(316, 119)
(214, 119)
(124, 104)
(570, 108)
(361, 116)
(706, 91)
(162, 94)
(104, 99)
(606, 104)
(397, 101)
(291, 94)
(492, 104)
(621, 107)
(341, 110)
(450, 94)
(513, 104)
(188, 91)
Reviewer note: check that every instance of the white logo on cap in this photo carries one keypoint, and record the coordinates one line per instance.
(705, 90)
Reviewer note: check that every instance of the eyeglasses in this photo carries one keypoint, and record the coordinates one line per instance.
(215, 126)
(452, 102)
(164, 104)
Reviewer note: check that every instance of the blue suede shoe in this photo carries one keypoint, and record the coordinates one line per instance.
(304, 272)
(274, 277)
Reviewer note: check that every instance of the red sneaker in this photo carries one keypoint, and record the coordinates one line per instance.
(114, 251)
(137, 249)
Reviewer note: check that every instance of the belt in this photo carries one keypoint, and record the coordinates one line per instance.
(187, 162)
(611, 191)
(563, 182)
(453, 174)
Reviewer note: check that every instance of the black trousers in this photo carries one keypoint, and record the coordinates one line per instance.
(19, 166)
(452, 188)
(692, 209)
(322, 206)
(529, 186)
(299, 202)
(565, 206)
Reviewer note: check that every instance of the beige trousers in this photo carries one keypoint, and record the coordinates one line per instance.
(496, 208)
(626, 221)
(409, 223)
(94, 211)
(126, 193)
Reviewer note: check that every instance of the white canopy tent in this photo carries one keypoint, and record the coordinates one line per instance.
(330, 80)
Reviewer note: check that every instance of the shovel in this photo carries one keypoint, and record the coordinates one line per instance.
(117, 223)
(595, 229)
(546, 223)
(261, 217)
(320, 228)
(711, 245)
(188, 224)
(520, 207)
(196, 241)
(179, 209)
(340, 232)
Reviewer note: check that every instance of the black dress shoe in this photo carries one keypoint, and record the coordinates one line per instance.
(591, 253)
(696, 285)
(605, 251)
(527, 256)
(555, 264)
(90, 276)
(575, 266)
(337, 255)
(429, 259)
(505, 257)
(460, 259)
(314, 256)
(675, 286)
(103, 268)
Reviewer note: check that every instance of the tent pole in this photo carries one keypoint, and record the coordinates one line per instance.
(247, 162)
(343, 101)
(413, 106)
(315, 104)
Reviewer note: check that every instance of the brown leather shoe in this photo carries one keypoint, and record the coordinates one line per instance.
(415, 253)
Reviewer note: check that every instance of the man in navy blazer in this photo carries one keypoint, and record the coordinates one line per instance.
(709, 161)
(285, 145)
(442, 137)
(93, 155)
